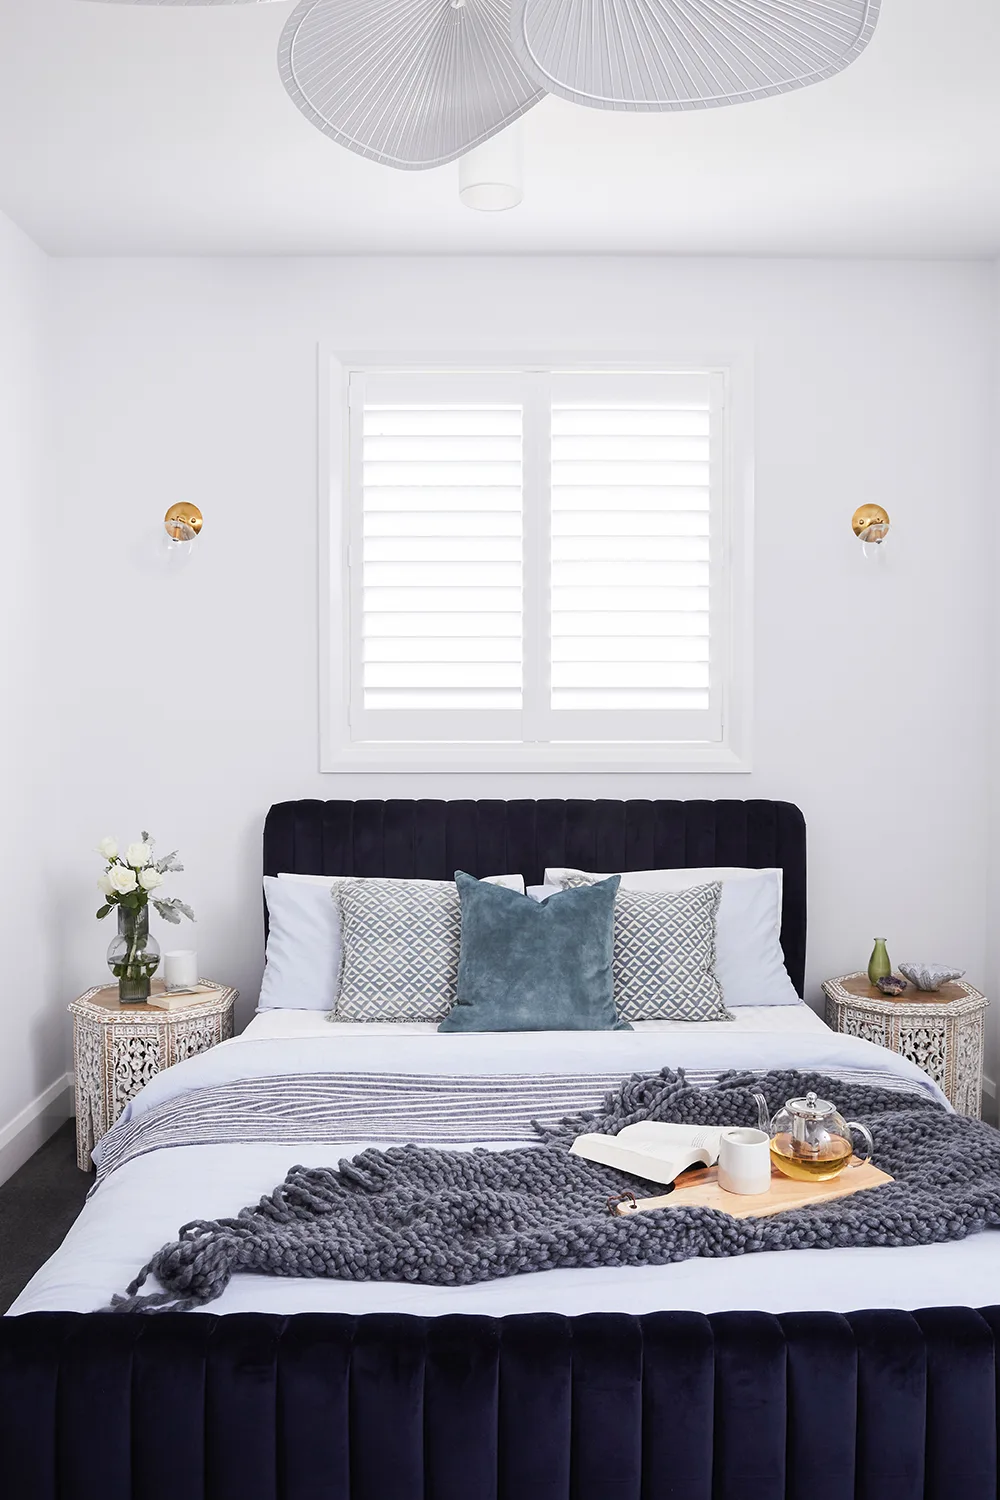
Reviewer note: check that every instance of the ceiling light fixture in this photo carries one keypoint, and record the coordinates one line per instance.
(403, 82)
(490, 177)
(416, 83)
(685, 54)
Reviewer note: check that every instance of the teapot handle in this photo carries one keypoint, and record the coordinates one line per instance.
(869, 1143)
(763, 1113)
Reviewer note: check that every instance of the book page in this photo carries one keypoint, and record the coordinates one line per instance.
(653, 1151)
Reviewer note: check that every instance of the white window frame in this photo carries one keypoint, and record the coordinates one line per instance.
(732, 501)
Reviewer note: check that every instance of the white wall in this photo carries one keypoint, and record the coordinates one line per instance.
(991, 540)
(33, 1054)
(190, 700)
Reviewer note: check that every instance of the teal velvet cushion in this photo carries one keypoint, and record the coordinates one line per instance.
(530, 965)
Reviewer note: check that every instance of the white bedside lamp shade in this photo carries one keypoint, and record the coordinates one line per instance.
(490, 178)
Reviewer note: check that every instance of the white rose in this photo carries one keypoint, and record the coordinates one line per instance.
(138, 855)
(150, 879)
(121, 879)
(104, 882)
(108, 847)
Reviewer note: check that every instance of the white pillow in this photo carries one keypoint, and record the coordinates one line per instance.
(304, 941)
(542, 892)
(749, 963)
(302, 971)
(509, 882)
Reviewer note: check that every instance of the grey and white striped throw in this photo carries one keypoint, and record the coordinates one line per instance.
(386, 1108)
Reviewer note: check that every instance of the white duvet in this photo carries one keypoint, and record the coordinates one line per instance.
(142, 1205)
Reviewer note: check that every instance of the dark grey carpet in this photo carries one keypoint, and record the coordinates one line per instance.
(37, 1206)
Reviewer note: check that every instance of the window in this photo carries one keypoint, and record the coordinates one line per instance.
(539, 571)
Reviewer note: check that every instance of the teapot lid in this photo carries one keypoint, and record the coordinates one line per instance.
(810, 1107)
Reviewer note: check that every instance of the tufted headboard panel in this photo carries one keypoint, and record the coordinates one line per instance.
(430, 840)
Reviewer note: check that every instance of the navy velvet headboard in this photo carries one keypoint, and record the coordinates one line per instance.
(430, 840)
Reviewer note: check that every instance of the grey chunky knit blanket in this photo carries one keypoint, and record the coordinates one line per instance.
(451, 1218)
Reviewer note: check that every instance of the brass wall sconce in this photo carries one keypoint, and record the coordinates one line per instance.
(182, 525)
(870, 524)
(183, 522)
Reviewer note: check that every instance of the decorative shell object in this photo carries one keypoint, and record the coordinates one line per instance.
(890, 984)
(929, 976)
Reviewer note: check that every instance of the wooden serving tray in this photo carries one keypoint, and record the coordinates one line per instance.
(702, 1190)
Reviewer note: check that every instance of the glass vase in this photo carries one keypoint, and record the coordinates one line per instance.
(133, 956)
(879, 966)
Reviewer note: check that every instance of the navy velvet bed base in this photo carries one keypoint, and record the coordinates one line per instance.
(671, 1406)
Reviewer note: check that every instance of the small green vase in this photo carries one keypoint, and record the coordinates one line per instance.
(879, 966)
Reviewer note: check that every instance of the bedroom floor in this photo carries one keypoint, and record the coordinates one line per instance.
(37, 1206)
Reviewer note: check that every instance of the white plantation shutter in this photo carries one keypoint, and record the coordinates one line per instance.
(537, 557)
(631, 629)
(437, 556)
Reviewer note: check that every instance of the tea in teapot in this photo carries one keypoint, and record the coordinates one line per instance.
(810, 1140)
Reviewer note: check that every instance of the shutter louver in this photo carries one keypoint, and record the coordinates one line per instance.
(441, 592)
(630, 559)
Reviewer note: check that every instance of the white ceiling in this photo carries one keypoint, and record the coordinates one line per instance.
(141, 129)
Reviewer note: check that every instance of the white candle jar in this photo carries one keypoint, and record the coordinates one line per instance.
(180, 969)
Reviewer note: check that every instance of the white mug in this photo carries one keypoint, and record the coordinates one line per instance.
(745, 1161)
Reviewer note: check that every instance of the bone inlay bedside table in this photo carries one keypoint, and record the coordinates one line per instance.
(118, 1048)
(939, 1030)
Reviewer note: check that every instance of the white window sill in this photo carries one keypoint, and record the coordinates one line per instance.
(652, 758)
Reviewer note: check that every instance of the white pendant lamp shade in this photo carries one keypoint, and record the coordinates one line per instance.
(685, 54)
(490, 177)
(408, 83)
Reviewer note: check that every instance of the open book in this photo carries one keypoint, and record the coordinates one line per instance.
(653, 1151)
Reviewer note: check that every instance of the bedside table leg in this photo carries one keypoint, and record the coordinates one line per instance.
(85, 1137)
(89, 1092)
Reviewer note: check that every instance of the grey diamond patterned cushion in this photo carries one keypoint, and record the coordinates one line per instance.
(665, 955)
(401, 946)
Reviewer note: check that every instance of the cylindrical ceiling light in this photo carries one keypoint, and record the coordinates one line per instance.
(490, 178)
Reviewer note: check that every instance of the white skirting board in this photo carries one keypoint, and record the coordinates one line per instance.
(31, 1128)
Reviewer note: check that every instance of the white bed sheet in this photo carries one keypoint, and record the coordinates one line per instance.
(142, 1205)
(268, 1025)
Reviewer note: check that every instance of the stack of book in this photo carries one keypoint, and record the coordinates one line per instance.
(164, 999)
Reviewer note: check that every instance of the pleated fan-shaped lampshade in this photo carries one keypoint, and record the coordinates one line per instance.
(685, 54)
(408, 83)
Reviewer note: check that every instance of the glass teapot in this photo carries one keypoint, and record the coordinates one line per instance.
(810, 1140)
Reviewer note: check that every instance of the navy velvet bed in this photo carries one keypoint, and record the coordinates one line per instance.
(880, 1405)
